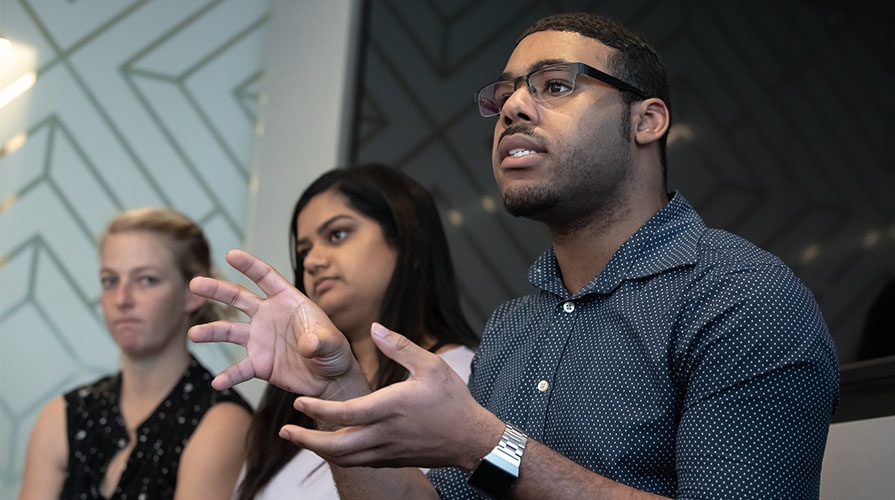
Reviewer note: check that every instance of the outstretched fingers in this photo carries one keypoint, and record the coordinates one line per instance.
(346, 447)
(401, 350)
(261, 273)
(226, 293)
(364, 410)
(234, 374)
(221, 331)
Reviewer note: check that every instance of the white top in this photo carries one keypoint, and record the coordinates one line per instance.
(308, 476)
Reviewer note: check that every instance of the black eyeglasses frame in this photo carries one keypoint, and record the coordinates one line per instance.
(577, 67)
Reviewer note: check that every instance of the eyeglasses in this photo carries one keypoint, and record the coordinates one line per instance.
(550, 82)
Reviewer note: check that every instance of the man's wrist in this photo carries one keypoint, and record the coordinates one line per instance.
(499, 469)
(349, 386)
(352, 384)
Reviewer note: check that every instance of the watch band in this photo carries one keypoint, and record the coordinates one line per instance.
(499, 470)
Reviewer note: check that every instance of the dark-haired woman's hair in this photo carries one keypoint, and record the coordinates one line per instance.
(422, 299)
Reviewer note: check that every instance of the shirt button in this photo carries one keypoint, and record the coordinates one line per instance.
(568, 307)
(543, 386)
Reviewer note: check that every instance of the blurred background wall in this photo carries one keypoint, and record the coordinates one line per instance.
(133, 103)
(227, 109)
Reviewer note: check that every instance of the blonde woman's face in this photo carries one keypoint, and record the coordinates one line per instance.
(145, 300)
(347, 262)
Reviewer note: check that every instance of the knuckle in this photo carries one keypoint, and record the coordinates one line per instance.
(402, 342)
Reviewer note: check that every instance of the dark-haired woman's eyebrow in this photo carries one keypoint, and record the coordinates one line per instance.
(322, 228)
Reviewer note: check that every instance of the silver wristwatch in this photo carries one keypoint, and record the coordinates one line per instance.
(499, 469)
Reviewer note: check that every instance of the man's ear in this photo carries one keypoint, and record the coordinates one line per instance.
(651, 120)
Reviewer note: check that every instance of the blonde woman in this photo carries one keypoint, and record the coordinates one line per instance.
(156, 429)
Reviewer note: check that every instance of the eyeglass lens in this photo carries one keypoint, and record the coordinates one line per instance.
(543, 84)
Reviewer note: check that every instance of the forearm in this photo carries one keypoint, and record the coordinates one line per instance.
(545, 473)
(366, 483)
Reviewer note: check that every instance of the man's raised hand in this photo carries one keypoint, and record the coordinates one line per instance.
(289, 341)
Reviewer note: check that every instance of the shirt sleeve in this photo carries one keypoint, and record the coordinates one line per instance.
(760, 380)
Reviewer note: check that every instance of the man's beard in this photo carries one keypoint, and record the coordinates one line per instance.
(534, 202)
(529, 201)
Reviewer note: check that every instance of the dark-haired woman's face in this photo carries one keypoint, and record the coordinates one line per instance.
(347, 261)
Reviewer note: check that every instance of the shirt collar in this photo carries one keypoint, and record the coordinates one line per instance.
(667, 240)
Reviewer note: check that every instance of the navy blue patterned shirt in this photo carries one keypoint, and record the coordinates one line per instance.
(695, 365)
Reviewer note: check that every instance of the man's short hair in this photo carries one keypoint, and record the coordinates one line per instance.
(635, 61)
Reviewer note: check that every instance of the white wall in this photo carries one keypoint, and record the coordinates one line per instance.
(859, 463)
(307, 98)
(303, 129)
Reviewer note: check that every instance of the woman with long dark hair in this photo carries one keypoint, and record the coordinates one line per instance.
(367, 246)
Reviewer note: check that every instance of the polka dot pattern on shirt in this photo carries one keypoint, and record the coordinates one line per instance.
(695, 365)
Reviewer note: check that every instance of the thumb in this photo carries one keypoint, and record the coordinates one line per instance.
(399, 348)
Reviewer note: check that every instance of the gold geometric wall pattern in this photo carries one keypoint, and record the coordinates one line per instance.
(134, 103)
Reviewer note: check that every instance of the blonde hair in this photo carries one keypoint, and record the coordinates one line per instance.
(186, 240)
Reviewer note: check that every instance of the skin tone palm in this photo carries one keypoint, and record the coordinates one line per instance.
(146, 306)
(571, 169)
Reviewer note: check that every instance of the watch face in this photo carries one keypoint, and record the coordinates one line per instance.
(491, 480)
